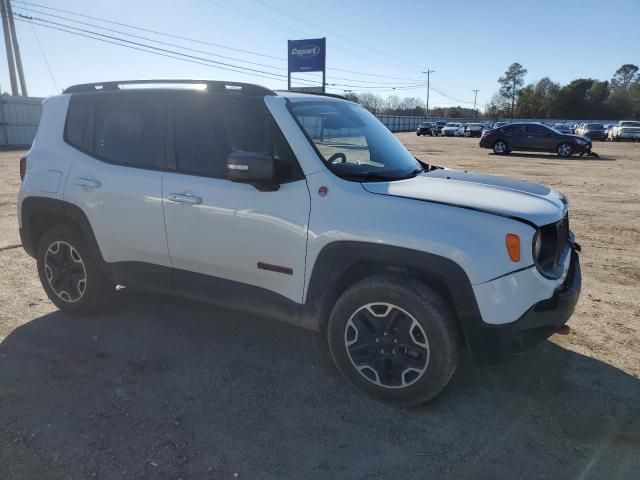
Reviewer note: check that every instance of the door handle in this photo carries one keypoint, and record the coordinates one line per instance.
(184, 198)
(87, 182)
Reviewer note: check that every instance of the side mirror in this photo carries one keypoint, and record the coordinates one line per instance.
(253, 168)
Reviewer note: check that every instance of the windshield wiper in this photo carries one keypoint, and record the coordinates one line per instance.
(367, 176)
(413, 174)
(379, 176)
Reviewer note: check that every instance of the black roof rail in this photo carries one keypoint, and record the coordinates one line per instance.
(322, 94)
(212, 85)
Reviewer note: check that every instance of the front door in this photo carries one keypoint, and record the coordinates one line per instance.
(221, 234)
(538, 137)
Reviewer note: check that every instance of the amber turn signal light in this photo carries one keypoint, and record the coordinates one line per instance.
(513, 247)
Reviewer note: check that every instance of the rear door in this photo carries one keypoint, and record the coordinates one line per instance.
(116, 177)
(232, 233)
(514, 135)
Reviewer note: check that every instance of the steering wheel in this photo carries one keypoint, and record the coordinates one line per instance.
(336, 156)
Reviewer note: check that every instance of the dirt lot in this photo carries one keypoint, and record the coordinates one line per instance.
(164, 388)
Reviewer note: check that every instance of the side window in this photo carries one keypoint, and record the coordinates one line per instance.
(535, 130)
(513, 129)
(129, 132)
(206, 132)
(201, 144)
(251, 129)
(75, 126)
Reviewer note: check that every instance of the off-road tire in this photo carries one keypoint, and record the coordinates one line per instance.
(97, 288)
(425, 306)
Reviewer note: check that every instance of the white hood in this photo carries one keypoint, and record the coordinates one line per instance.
(503, 196)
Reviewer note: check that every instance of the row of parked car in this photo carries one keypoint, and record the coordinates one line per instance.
(451, 129)
(623, 130)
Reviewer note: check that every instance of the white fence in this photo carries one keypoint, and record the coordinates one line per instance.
(19, 118)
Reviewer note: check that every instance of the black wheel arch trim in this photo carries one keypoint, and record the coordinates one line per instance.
(32, 207)
(335, 259)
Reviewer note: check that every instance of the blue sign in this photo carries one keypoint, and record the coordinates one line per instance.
(307, 55)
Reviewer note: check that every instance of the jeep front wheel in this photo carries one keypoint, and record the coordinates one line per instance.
(394, 338)
(69, 273)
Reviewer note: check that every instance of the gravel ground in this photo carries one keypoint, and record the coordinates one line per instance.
(164, 388)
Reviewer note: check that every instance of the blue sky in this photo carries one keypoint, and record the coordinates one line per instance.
(469, 44)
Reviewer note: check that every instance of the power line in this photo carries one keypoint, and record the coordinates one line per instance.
(144, 50)
(44, 57)
(299, 19)
(179, 55)
(120, 32)
(179, 37)
(370, 85)
(164, 50)
(202, 42)
(272, 23)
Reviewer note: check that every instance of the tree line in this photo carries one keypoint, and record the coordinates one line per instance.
(582, 98)
(414, 106)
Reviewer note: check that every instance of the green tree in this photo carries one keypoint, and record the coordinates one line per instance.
(511, 83)
(624, 78)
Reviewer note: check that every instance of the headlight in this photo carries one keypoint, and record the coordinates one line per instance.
(579, 141)
(537, 245)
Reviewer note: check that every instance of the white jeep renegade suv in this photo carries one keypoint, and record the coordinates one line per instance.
(297, 206)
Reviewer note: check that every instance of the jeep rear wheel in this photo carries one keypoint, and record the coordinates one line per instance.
(69, 273)
(500, 147)
(394, 338)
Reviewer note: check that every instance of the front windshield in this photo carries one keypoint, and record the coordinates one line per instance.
(595, 126)
(630, 124)
(352, 142)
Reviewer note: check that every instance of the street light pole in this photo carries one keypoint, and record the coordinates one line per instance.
(428, 73)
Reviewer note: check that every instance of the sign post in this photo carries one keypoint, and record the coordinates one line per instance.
(307, 56)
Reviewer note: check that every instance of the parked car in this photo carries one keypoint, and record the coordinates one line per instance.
(425, 128)
(607, 129)
(452, 129)
(473, 130)
(594, 131)
(625, 130)
(260, 200)
(437, 129)
(533, 137)
(562, 128)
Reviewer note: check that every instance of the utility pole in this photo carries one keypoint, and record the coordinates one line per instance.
(7, 44)
(16, 49)
(428, 73)
(475, 97)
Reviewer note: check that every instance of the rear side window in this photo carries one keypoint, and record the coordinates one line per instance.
(512, 129)
(129, 132)
(119, 129)
(76, 120)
